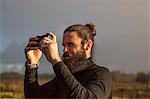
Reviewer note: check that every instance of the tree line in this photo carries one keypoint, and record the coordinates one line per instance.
(117, 76)
(19, 76)
(139, 77)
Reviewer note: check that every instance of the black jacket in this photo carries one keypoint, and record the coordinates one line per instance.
(89, 83)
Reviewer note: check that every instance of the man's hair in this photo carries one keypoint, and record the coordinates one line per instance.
(85, 32)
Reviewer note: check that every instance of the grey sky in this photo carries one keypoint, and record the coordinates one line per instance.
(149, 30)
(122, 29)
(0, 24)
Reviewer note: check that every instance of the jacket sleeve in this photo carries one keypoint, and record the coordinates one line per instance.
(99, 87)
(33, 90)
(30, 83)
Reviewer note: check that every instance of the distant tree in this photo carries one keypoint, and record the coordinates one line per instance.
(142, 77)
(16, 75)
(11, 75)
(116, 76)
(46, 76)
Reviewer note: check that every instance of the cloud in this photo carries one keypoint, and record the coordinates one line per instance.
(13, 59)
(12, 67)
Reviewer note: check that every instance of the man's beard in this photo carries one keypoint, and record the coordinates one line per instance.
(75, 61)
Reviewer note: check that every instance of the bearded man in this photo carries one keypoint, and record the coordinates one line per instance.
(77, 75)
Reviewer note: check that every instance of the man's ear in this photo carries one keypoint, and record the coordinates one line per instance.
(88, 45)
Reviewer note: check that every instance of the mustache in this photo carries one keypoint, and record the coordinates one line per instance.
(67, 54)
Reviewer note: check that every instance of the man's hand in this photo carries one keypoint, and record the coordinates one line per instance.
(32, 52)
(50, 48)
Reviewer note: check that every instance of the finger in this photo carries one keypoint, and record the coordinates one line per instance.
(30, 48)
(34, 38)
(53, 36)
(44, 42)
(43, 48)
(47, 39)
(33, 44)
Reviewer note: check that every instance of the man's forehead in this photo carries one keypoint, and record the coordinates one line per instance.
(71, 36)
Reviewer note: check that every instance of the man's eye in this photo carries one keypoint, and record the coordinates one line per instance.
(71, 45)
(63, 45)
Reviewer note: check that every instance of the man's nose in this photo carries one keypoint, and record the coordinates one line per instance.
(65, 49)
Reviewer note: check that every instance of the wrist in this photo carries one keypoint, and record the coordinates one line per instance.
(55, 61)
(31, 66)
(32, 62)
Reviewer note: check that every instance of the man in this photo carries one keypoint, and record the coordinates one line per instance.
(77, 76)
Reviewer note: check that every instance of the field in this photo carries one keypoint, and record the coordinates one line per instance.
(131, 91)
(14, 89)
(11, 89)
